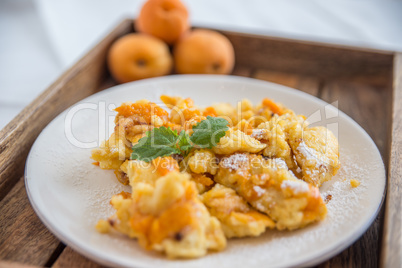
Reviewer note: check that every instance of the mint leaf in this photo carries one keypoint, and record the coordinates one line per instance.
(159, 142)
(164, 141)
(208, 132)
(184, 143)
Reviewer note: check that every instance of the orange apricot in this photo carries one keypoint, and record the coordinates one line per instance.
(138, 56)
(204, 52)
(165, 19)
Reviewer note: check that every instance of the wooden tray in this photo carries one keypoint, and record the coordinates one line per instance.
(367, 84)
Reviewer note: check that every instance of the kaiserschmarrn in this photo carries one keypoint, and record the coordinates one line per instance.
(199, 176)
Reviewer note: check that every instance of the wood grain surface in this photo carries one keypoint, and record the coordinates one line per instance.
(320, 60)
(7, 264)
(306, 83)
(391, 255)
(23, 237)
(358, 79)
(70, 258)
(367, 105)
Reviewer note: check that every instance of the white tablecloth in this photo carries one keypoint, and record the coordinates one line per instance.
(41, 38)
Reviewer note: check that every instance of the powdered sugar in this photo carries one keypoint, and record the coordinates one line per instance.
(279, 163)
(258, 190)
(312, 155)
(235, 161)
(258, 133)
(345, 203)
(296, 186)
(307, 152)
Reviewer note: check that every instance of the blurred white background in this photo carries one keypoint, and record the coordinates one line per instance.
(39, 39)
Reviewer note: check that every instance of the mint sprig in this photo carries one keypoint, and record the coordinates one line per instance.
(164, 141)
(207, 133)
(158, 142)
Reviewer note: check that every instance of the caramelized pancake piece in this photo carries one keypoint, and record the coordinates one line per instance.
(227, 111)
(168, 217)
(237, 218)
(182, 110)
(270, 187)
(316, 151)
(202, 161)
(140, 171)
(112, 153)
(202, 182)
(237, 141)
(273, 135)
(132, 122)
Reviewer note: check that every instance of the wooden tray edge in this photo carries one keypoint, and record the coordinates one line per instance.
(391, 250)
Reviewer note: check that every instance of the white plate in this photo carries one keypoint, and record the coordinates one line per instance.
(70, 194)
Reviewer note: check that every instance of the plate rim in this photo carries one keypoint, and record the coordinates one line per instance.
(314, 259)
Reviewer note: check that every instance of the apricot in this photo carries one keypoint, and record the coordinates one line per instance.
(204, 52)
(165, 19)
(138, 56)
